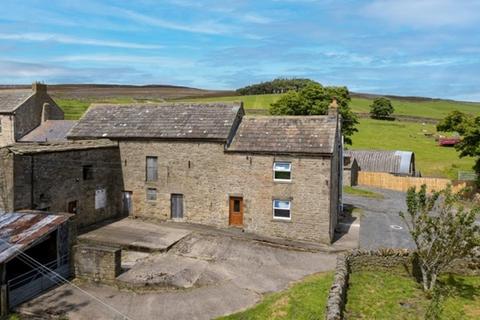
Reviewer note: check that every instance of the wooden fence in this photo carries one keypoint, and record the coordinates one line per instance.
(399, 183)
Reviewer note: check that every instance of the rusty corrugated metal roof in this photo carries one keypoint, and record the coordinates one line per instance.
(19, 230)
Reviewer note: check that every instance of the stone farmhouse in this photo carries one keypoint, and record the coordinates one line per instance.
(210, 164)
(25, 111)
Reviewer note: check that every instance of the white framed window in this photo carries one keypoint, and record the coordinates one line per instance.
(151, 194)
(282, 171)
(281, 209)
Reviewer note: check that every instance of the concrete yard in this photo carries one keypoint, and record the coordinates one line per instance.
(199, 276)
(136, 235)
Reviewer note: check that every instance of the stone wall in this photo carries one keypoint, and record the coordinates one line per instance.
(347, 177)
(338, 290)
(50, 181)
(6, 181)
(29, 115)
(6, 134)
(97, 263)
(334, 183)
(207, 176)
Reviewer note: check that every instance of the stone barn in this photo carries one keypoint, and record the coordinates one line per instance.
(210, 164)
(83, 178)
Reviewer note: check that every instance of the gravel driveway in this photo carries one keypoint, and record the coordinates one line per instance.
(381, 226)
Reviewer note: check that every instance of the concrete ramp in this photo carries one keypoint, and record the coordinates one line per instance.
(135, 235)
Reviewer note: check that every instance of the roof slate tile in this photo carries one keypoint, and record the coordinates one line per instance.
(289, 134)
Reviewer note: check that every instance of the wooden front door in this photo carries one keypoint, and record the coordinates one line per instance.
(236, 211)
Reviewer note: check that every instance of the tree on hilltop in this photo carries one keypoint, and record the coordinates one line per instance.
(381, 108)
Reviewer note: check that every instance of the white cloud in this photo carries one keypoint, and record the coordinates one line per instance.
(255, 18)
(425, 13)
(127, 59)
(60, 38)
(207, 27)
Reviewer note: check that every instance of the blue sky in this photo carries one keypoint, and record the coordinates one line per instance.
(408, 47)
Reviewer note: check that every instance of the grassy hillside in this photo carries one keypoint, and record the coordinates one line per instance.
(431, 159)
(437, 109)
(75, 108)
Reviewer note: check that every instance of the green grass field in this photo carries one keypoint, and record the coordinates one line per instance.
(304, 300)
(388, 295)
(429, 109)
(431, 159)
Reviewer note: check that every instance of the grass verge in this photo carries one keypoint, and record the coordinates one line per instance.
(304, 300)
(388, 295)
(362, 192)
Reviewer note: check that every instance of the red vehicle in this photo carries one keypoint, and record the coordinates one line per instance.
(447, 142)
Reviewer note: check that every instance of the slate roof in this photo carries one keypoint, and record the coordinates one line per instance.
(11, 99)
(397, 162)
(18, 230)
(50, 131)
(21, 148)
(209, 121)
(286, 134)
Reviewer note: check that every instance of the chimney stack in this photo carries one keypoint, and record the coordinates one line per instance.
(38, 87)
(333, 108)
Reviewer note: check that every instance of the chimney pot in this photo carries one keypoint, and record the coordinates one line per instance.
(333, 107)
(39, 87)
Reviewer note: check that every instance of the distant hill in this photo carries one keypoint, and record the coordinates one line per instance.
(109, 91)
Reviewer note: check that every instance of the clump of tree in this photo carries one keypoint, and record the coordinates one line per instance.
(442, 230)
(381, 108)
(315, 99)
(468, 127)
(279, 85)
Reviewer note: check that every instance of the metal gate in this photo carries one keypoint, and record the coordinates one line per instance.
(177, 206)
(30, 284)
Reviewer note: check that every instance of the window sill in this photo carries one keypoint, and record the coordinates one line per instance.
(282, 220)
(282, 181)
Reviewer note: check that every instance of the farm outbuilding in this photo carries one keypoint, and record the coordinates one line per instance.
(350, 171)
(34, 254)
(394, 162)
